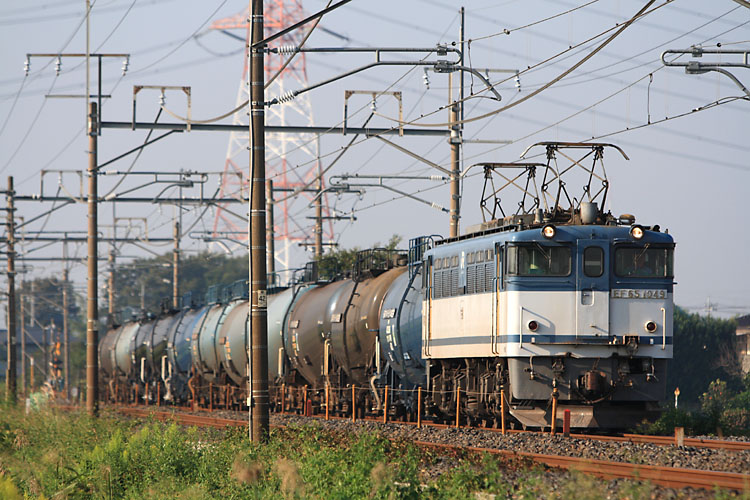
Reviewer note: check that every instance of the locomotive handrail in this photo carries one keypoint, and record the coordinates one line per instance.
(493, 318)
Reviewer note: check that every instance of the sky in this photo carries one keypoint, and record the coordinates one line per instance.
(689, 168)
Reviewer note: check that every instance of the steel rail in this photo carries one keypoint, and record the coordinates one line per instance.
(671, 477)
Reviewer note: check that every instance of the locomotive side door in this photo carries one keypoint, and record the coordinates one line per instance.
(592, 289)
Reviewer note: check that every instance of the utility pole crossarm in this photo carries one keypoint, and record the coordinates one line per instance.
(697, 68)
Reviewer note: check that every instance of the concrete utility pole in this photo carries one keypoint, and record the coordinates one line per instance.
(270, 248)
(46, 331)
(176, 267)
(10, 376)
(111, 284)
(66, 332)
(319, 212)
(258, 299)
(92, 313)
(457, 114)
(23, 343)
(455, 142)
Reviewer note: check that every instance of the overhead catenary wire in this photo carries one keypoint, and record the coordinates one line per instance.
(29, 129)
(265, 86)
(643, 11)
(319, 175)
(31, 79)
(671, 40)
(511, 30)
(135, 159)
(693, 111)
(620, 28)
(609, 134)
(181, 44)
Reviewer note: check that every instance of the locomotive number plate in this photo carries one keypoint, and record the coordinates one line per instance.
(627, 293)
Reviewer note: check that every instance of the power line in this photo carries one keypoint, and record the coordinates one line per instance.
(693, 111)
(580, 75)
(66, 15)
(179, 46)
(620, 28)
(509, 31)
(28, 131)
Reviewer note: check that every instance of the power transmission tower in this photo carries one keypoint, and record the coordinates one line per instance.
(283, 150)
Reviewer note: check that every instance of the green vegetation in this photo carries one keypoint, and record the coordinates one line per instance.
(340, 261)
(703, 351)
(722, 410)
(149, 281)
(714, 392)
(56, 455)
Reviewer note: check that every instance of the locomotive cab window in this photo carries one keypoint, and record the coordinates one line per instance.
(538, 260)
(593, 262)
(644, 262)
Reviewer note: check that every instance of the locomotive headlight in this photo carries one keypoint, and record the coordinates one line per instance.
(636, 232)
(533, 325)
(650, 326)
(549, 231)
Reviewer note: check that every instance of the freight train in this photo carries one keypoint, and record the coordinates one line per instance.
(553, 305)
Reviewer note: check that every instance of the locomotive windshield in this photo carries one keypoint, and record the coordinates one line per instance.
(644, 262)
(538, 260)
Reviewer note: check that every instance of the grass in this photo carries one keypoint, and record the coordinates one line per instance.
(57, 455)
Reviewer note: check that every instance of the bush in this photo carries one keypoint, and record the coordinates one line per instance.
(721, 410)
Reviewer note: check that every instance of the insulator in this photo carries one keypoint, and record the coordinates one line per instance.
(288, 49)
(286, 97)
(374, 105)
(26, 67)
(162, 99)
(517, 81)
(125, 64)
(426, 79)
(58, 66)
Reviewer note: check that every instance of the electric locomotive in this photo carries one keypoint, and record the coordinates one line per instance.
(571, 305)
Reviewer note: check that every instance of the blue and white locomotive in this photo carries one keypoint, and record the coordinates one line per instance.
(558, 301)
(573, 304)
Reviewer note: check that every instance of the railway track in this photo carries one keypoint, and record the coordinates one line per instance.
(719, 444)
(671, 477)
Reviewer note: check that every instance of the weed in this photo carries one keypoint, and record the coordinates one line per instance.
(582, 487)
(245, 473)
(72, 456)
(291, 481)
(8, 490)
(634, 490)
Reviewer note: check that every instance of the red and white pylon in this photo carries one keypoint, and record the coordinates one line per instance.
(291, 159)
